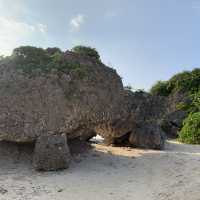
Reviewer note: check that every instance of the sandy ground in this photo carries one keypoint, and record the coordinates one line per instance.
(105, 173)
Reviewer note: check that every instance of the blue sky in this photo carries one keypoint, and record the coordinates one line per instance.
(144, 40)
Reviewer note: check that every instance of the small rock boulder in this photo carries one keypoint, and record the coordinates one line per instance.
(139, 125)
(147, 135)
(51, 152)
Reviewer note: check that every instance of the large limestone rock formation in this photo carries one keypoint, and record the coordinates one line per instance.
(49, 97)
(40, 106)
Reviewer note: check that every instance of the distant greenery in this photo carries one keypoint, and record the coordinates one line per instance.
(190, 133)
(32, 60)
(52, 51)
(29, 59)
(187, 82)
(160, 88)
(193, 105)
(184, 82)
(87, 51)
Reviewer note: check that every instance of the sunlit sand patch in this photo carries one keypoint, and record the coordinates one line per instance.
(122, 151)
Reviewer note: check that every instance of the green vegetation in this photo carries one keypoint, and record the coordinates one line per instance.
(160, 88)
(195, 106)
(87, 51)
(29, 59)
(32, 60)
(189, 84)
(191, 106)
(183, 82)
(190, 133)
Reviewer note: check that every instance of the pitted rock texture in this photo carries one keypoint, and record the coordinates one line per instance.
(31, 106)
(44, 108)
(147, 135)
(173, 116)
(51, 152)
(140, 121)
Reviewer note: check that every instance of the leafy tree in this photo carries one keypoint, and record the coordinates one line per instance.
(187, 82)
(32, 60)
(52, 51)
(86, 51)
(193, 105)
(190, 133)
(160, 88)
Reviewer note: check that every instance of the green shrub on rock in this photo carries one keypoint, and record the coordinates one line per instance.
(186, 82)
(29, 59)
(86, 51)
(195, 106)
(53, 50)
(191, 106)
(190, 133)
(32, 60)
(160, 88)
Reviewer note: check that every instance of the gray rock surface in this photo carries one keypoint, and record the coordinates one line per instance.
(147, 135)
(32, 106)
(39, 105)
(44, 108)
(51, 153)
(173, 116)
(139, 125)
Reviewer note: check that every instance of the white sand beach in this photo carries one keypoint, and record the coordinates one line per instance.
(105, 173)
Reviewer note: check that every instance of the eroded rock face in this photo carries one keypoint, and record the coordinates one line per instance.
(139, 125)
(53, 107)
(37, 106)
(173, 116)
(31, 106)
(172, 123)
(147, 135)
(51, 152)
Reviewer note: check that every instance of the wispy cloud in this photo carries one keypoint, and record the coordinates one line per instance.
(12, 32)
(76, 22)
(42, 28)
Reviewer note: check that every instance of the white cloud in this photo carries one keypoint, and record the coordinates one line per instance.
(76, 22)
(42, 28)
(13, 33)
